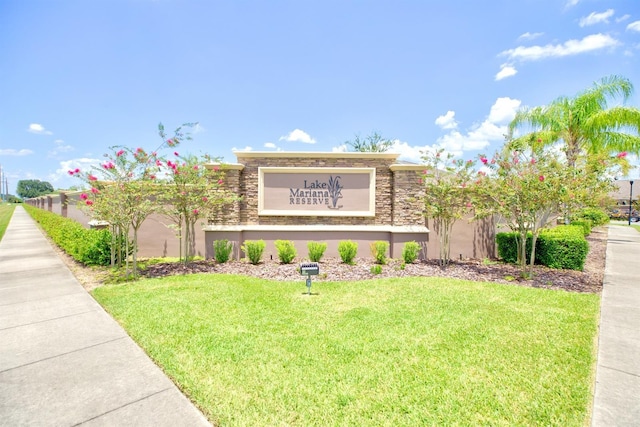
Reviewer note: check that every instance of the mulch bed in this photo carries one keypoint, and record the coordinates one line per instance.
(589, 280)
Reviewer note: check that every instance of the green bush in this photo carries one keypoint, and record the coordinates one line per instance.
(563, 247)
(376, 269)
(585, 224)
(253, 249)
(87, 246)
(316, 250)
(597, 216)
(508, 246)
(286, 251)
(379, 250)
(222, 250)
(410, 252)
(348, 251)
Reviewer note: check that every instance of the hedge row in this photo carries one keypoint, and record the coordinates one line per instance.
(563, 247)
(90, 247)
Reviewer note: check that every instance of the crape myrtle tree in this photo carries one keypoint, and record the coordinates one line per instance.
(525, 189)
(449, 194)
(124, 192)
(190, 193)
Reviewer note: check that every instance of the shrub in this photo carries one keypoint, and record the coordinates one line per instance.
(376, 269)
(379, 250)
(316, 250)
(563, 247)
(222, 250)
(508, 246)
(585, 224)
(348, 251)
(597, 216)
(410, 252)
(286, 251)
(254, 249)
(87, 246)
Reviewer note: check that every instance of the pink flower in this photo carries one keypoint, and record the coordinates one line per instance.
(92, 178)
(533, 161)
(152, 177)
(94, 190)
(216, 168)
(139, 150)
(120, 153)
(175, 153)
(195, 168)
(83, 196)
(541, 178)
(89, 203)
(469, 205)
(204, 199)
(484, 160)
(108, 165)
(158, 163)
(170, 143)
(71, 173)
(196, 211)
(622, 155)
(76, 170)
(220, 182)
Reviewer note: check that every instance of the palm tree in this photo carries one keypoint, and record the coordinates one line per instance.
(584, 124)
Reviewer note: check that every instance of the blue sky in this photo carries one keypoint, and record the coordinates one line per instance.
(77, 77)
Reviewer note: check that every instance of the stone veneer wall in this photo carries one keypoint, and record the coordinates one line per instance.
(397, 197)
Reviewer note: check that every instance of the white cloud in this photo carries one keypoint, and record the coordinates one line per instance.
(504, 110)
(506, 70)
(298, 135)
(571, 3)
(480, 136)
(247, 148)
(529, 36)
(60, 148)
(85, 164)
(198, 128)
(14, 152)
(340, 149)
(623, 18)
(596, 18)
(447, 121)
(571, 47)
(269, 145)
(634, 26)
(38, 129)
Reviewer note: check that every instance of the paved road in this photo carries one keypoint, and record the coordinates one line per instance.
(63, 360)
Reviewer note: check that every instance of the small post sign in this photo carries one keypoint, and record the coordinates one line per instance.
(309, 269)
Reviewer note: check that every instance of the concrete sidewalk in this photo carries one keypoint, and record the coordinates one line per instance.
(617, 392)
(63, 360)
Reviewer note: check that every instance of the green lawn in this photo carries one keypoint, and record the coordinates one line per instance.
(6, 210)
(417, 351)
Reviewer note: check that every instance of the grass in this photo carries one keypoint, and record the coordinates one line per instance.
(6, 211)
(388, 352)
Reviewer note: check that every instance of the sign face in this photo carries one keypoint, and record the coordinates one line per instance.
(316, 191)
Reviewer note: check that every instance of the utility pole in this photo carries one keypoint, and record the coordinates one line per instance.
(2, 181)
